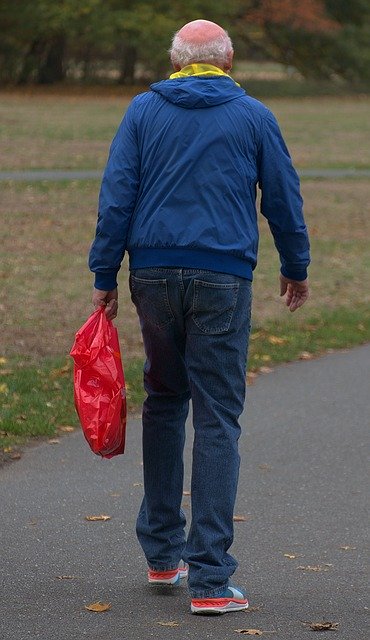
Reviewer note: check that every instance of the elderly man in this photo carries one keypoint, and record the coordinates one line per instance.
(179, 194)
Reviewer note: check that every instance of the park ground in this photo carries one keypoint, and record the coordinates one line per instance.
(48, 226)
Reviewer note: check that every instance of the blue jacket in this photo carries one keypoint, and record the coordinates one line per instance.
(179, 188)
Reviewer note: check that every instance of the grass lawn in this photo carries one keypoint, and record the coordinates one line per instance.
(48, 228)
(74, 132)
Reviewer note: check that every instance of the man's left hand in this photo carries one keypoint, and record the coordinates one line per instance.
(296, 292)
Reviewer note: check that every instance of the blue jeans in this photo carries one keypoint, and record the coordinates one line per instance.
(195, 327)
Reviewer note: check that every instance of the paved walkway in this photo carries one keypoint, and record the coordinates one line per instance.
(301, 547)
(56, 175)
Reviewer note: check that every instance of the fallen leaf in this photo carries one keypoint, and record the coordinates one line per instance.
(7, 449)
(101, 518)
(251, 376)
(276, 340)
(255, 335)
(62, 371)
(185, 505)
(346, 547)
(3, 360)
(323, 626)
(317, 567)
(264, 467)
(138, 484)
(98, 607)
(186, 493)
(291, 556)
(305, 355)
(266, 358)
(258, 607)
(54, 441)
(66, 428)
(249, 632)
(237, 518)
(64, 577)
(115, 495)
(15, 456)
(4, 388)
(169, 624)
(265, 370)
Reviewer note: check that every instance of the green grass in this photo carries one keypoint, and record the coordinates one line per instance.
(74, 132)
(38, 400)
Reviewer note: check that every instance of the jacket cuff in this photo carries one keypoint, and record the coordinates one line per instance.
(105, 281)
(294, 275)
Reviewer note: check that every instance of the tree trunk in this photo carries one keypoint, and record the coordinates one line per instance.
(128, 59)
(53, 67)
(32, 61)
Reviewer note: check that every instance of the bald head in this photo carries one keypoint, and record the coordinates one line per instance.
(202, 41)
(200, 31)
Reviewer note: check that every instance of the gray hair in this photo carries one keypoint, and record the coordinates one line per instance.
(214, 51)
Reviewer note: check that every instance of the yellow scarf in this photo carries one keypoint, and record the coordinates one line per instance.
(199, 69)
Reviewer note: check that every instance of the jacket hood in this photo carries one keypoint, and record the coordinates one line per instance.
(195, 92)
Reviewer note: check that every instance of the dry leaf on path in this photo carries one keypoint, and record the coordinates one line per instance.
(249, 632)
(257, 607)
(66, 429)
(102, 518)
(186, 493)
(346, 547)
(65, 577)
(98, 607)
(323, 626)
(15, 456)
(265, 370)
(53, 441)
(316, 568)
(291, 556)
(237, 518)
(169, 624)
(251, 376)
(264, 467)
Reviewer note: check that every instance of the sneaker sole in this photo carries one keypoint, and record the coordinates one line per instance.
(217, 607)
(157, 578)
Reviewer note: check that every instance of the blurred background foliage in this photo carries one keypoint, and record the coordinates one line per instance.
(126, 41)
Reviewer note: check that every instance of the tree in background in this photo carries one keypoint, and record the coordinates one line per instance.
(320, 38)
(45, 41)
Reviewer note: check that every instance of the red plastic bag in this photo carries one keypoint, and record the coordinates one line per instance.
(99, 385)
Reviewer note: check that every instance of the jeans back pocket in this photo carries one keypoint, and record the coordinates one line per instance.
(150, 298)
(214, 305)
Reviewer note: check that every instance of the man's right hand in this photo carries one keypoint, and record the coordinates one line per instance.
(107, 299)
(296, 292)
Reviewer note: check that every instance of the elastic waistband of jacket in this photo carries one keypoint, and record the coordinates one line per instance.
(190, 259)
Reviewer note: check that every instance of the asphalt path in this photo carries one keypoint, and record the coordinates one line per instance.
(300, 543)
(56, 175)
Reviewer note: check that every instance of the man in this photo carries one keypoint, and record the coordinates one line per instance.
(178, 194)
